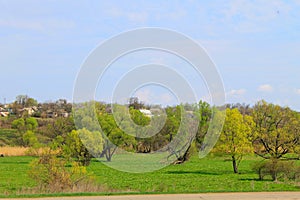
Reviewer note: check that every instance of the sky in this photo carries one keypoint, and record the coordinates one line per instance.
(255, 45)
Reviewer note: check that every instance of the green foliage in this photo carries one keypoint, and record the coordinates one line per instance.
(277, 130)
(26, 129)
(74, 148)
(234, 139)
(18, 124)
(22, 124)
(277, 170)
(60, 126)
(31, 102)
(138, 117)
(113, 136)
(30, 139)
(31, 123)
(204, 114)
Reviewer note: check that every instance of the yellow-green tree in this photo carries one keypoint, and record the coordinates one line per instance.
(278, 131)
(234, 139)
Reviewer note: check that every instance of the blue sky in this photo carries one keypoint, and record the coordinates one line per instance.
(254, 44)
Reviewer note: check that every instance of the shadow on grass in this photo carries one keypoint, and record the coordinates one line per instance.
(17, 162)
(254, 179)
(200, 172)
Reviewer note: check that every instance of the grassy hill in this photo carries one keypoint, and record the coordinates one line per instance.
(8, 137)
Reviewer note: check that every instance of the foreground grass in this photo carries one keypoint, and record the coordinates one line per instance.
(13, 174)
(211, 174)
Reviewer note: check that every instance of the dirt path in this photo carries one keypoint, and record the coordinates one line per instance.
(210, 196)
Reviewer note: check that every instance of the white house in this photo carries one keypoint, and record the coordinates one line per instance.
(147, 113)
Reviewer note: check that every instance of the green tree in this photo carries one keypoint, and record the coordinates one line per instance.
(277, 133)
(234, 139)
(113, 136)
(30, 139)
(60, 126)
(19, 124)
(277, 130)
(31, 102)
(73, 148)
(24, 124)
(204, 114)
(31, 123)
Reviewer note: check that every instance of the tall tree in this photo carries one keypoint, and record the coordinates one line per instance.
(277, 131)
(234, 139)
(113, 136)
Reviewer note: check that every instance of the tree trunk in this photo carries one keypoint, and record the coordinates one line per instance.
(234, 165)
(274, 176)
(185, 157)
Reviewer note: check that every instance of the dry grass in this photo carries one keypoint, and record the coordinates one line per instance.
(13, 151)
(85, 187)
(26, 151)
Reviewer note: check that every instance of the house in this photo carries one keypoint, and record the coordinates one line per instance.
(147, 113)
(4, 113)
(51, 114)
(29, 110)
(63, 114)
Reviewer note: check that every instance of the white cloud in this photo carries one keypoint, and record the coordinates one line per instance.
(265, 88)
(236, 92)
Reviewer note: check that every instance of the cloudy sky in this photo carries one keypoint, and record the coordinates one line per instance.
(254, 44)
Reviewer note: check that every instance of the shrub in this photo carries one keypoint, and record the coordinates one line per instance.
(277, 169)
(54, 174)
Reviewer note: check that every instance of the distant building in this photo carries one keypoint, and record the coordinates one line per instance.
(4, 113)
(51, 114)
(64, 114)
(147, 113)
(30, 110)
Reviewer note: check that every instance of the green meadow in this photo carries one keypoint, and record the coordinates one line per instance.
(211, 174)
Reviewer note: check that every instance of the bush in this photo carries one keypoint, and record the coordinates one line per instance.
(277, 169)
(54, 174)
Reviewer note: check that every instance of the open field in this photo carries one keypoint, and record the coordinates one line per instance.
(211, 174)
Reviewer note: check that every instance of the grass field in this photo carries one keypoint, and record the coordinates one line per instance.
(211, 174)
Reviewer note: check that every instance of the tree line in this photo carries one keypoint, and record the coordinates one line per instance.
(268, 130)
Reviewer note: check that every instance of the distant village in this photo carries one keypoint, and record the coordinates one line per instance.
(26, 106)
